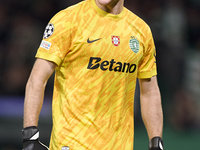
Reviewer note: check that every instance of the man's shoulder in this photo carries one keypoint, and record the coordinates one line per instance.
(134, 18)
(136, 22)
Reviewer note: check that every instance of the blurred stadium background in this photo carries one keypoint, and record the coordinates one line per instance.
(175, 26)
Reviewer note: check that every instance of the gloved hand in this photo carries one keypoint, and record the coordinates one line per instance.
(156, 143)
(30, 138)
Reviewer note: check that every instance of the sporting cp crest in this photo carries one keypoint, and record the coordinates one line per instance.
(134, 44)
(115, 40)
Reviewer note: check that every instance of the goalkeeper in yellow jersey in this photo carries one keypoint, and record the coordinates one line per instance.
(97, 48)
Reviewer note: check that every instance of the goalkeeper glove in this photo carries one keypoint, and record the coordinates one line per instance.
(156, 143)
(30, 139)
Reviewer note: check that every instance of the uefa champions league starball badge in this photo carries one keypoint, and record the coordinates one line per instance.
(134, 44)
(48, 31)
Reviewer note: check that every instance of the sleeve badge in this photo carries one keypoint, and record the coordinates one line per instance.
(48, 31)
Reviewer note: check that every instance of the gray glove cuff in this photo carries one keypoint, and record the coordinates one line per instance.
(156, 143)
(30, 133)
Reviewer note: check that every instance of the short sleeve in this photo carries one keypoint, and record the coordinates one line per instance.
(56, 39)
(147, 65)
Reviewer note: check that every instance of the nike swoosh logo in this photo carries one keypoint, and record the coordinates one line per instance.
(88, 40)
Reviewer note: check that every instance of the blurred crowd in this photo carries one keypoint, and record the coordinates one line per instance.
(175, 26)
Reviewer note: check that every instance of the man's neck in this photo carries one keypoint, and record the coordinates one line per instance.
(113, 8)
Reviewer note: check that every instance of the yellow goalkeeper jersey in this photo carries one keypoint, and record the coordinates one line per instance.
(99, 56)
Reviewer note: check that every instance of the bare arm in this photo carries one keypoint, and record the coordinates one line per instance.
(151, 107)
(35, 87)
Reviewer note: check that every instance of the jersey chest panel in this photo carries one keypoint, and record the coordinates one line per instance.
(106, 45)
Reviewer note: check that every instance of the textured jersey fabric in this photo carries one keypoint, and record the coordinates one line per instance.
(98, 56)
